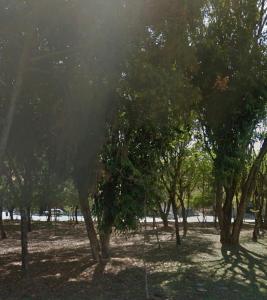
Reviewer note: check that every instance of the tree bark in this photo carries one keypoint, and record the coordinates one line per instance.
(164, 214)
(164, 220)
(155, 229)
(204, 220)
(24, 241)
(105, 242)
(219, 200)
(25, 202)
(184, 217)
(49, 215)
(11, 213)
(258, 217)
(89, 224)
(107, 218)
(76, 214)
(2, 230)
(29, 223)
(176, 220)
(227, 215)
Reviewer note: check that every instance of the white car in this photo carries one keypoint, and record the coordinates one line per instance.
(55, 212)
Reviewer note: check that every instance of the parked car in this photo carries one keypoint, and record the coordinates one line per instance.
(54, 212)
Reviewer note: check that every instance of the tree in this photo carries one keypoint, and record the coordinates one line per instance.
(173, 174)
(73, 69)
(231, 76)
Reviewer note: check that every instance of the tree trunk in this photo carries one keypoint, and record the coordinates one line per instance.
(184, 217)
(11, 213)
(164, 214)
(237, 201)
(219, 200)
(155, 229)
(247, 190)
(188, 203)
(107, 218)
(89, 224)
(176, 220)
(49, 215)
(258, 218)
(164, 220)
(29, 219)
(2, 230)
(167, 211)
(105, 242)
(24, 241)
(203, 216)
(227, 216)
(76, 214)
(26, 196)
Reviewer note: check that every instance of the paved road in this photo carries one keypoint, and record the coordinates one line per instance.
(64, 218)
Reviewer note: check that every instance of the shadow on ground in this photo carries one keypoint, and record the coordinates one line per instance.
(62, 268)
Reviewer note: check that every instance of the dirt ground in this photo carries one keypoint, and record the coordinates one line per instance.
(61, 266)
